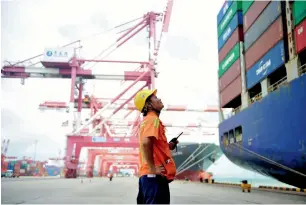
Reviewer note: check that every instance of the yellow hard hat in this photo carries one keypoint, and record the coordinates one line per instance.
(141, 97)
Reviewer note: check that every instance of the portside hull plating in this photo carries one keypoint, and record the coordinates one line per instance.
(274, 137)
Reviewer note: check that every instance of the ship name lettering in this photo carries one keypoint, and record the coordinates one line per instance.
(263, 67)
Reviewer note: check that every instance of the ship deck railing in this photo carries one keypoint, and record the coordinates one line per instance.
(302, 70)
(256, 98)
(277, 84)
(236, 110)
(271, 88)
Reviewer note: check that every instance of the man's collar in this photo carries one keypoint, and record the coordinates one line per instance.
(152, 113)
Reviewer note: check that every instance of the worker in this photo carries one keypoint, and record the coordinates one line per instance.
(157, 167)
(111, 176)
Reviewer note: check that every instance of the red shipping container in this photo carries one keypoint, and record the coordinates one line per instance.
(231, 91)
(265, 42)
(230, 75)
(235, 37)
(252, 14)
(300, 36)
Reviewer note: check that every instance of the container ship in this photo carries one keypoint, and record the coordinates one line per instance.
(262, 66)
(193, 159)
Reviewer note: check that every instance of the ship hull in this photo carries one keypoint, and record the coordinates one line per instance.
(273, 135)
(192, 158)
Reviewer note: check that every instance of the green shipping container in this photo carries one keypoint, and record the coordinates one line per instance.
(299, 11)
(236, 6)
(228, 61)
(246, 5)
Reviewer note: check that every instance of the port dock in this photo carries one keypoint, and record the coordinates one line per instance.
(124, 191)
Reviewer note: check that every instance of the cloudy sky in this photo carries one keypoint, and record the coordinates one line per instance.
(189, 51)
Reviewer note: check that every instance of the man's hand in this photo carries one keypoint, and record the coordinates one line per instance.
(173, 144)
(160, 170)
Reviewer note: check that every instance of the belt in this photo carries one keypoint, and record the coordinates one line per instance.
(158, 177)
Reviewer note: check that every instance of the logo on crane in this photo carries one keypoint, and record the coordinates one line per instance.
(57, 54)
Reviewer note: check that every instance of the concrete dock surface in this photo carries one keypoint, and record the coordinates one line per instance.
(124, 191)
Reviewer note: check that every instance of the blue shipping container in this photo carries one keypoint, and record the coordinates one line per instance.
(52, 170)
(237, 20)
(10, 166)
(223, 10)
(271, 61)
(262, 23)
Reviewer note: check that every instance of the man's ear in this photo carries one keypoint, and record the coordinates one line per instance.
(148, 105)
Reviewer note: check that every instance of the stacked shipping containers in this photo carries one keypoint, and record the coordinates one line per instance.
(264, 48)
(230, 34)
(299, 19)
(263, 40)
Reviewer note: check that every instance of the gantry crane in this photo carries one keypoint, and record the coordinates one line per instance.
(64, 63)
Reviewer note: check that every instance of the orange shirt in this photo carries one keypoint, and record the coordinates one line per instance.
(153, 127)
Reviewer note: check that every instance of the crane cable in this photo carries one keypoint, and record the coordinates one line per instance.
(271, 161)
(111, 45)
(77, 41)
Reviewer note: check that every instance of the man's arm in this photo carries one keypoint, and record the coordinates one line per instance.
(147, 144)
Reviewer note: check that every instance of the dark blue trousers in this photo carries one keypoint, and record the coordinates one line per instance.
(153, 190)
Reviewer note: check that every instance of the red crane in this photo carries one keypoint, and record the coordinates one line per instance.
(93, 153)
(63, 63)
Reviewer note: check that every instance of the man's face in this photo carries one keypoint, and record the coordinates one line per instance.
(156, 103)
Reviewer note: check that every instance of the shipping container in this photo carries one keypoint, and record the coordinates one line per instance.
(254, 11)
(53, 170)
(230, 75)
(267, 17)
(237, 20)
(223, 10)
(270, 62)
(265, 42)
(230, 58)
(299, 11)
(300, 36)
(246, 6)
(236, 6)
(235, 38)
(231, 91)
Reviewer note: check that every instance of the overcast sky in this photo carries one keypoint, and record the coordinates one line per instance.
(189, 51)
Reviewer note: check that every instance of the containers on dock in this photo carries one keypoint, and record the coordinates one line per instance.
(252, 13)
(271, 61)
(52, 170)
(266, 18)
(300, 36)
(11, 165)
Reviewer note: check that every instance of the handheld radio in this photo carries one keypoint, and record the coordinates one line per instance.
(175, 139)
